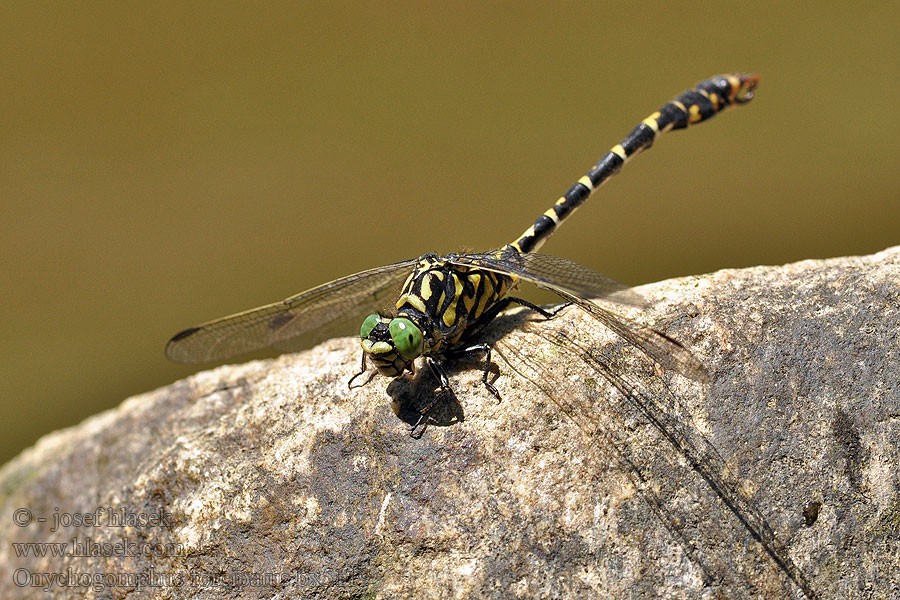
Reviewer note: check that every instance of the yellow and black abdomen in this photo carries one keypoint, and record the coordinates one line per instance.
(445, 300)
(693, 106)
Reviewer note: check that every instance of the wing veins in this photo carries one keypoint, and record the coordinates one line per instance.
(577, 284)
(552, 272)
(290, 318)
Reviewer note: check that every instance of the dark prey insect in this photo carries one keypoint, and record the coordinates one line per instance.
(447, 300)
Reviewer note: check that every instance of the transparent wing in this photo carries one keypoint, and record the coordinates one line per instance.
(280, 323)
(577, 283)
(553, 273)
(659, 347)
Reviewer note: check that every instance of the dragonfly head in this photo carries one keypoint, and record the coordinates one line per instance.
(391, 343)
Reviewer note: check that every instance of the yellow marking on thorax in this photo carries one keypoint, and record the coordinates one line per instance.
(449, 316)
(425, 289)
(413, 300)
(469, 301)
(408, 281)
(486, 295)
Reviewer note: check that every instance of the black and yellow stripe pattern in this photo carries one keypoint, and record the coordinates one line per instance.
(447, 300)
(457, 296)
(693, 106)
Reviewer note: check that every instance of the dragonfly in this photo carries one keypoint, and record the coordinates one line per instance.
(443, 304)
(446, 302)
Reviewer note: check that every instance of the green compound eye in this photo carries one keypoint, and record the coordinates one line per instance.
(407, 338)
(368, 325)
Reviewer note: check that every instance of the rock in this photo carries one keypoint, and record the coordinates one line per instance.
(272, 479)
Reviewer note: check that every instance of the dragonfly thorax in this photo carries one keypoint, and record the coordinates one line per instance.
(440, 303)
(446, 299)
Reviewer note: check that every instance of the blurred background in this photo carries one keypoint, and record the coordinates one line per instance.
(164, 165)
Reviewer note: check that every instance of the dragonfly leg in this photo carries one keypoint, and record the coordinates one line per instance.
(483, 349)
(362, 369)
(490, 314)
(547, 314)
(439, 373)
(421, 424)
(418, 429)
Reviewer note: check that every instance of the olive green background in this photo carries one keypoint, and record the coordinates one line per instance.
(165, 164)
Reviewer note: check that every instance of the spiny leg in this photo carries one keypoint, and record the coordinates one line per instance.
(547, 314)
(490, 314)
(418, 429)
(444, 382)
(421, 424)
(362, 369)
(481, 349)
